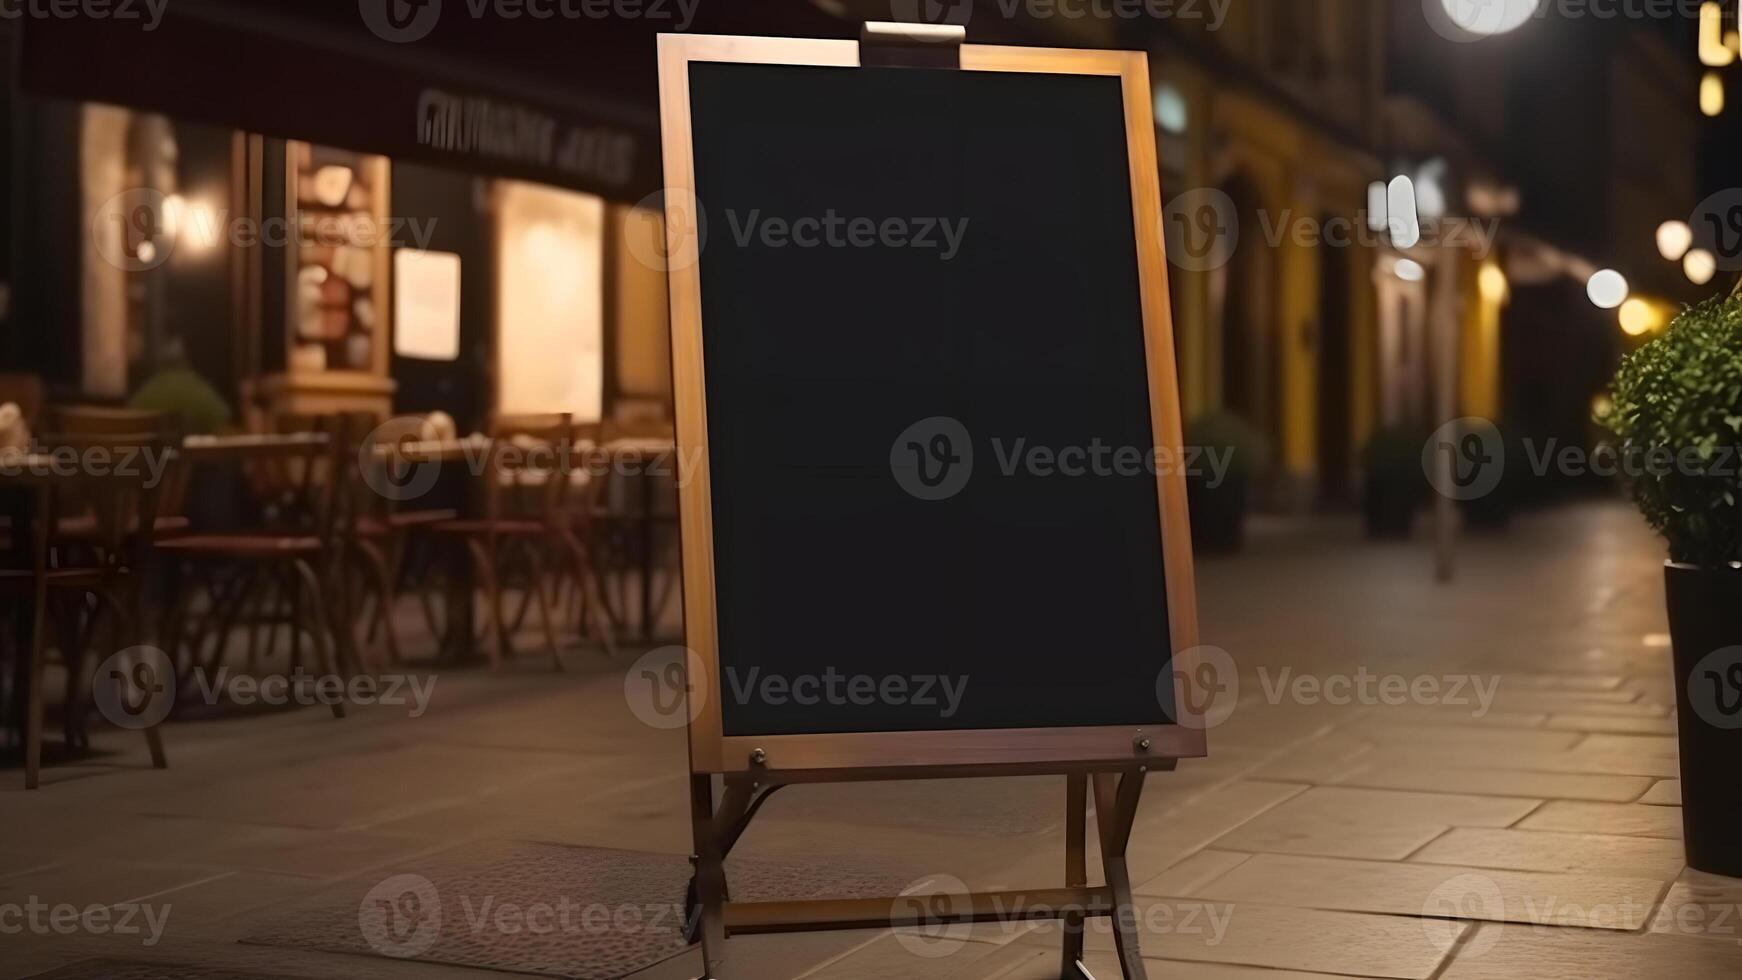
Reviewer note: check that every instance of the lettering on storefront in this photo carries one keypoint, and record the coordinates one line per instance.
(478, 126)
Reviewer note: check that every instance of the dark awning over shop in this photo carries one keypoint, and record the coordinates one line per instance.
(567, 98)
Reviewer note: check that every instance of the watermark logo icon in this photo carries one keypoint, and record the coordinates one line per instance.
(932, 11)
(933, 458)
(1462, 897)
(666, 239)
(132, 231)
(1202, 229)
(386, 469)
(135, 688)
(1201, 687)
(1715, 688)
(1477, 455)
(937, 905)
(666, 688)
(400, 21)
(401, 917)
(1717, 225)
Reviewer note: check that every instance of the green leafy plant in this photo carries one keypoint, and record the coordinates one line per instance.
(1677, 411)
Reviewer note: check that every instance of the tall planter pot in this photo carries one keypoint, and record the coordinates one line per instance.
(1218, 514)
(1705, 622)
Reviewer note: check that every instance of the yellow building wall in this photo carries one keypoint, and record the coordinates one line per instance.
(1479, 347)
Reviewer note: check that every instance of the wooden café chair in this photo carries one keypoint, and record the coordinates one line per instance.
(519, 493)
(385, 528)
(73, 585)
(90, 421)
(294, 546)
(585, 532)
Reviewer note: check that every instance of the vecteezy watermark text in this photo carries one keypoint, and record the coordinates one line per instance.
(935, 914)
(41, 918)
(838, 690)
(832, 230)
(1364, 687)
(148, 12)
(304, 689)
(140, 229)
(960, 11)
(933, 459)
(404, 21)
(1103, 459)
(402, 916)
(144, 463)
(1467, 458)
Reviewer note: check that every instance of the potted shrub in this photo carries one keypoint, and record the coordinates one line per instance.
(1218, 499)
(1394, 485)
(1677, 411)
(1493, 510)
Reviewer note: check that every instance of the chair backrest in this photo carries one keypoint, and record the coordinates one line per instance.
(527, 468)
(28, 392)
(96, 423)
(288, 471)
(110, 484)
(97, 420)
(327, 484)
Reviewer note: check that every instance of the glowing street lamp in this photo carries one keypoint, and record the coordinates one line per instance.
(1606, 288)
(1700, 266)
(1715, 52)
(1674, 238)
(1639, 317)
(1712, 94)
(1489, 18)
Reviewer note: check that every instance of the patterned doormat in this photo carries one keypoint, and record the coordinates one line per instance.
(583, 912)
(109, 969)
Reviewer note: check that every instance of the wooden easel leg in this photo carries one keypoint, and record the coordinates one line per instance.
(1115, 809)
(710, 876)
(1076, 869)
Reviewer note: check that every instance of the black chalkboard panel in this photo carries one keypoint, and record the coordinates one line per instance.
(928, 411)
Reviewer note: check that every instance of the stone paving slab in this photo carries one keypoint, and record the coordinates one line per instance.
(1701, 904)
(1497, 782)
(1637, 819)
(1532, 850)
(1339, 821)
(1105, 966)
(1268, 936)
(1613, 724)
(1581, 900)
(1575, 760)
(1478, 742)
(1513, 952)
(1664, 792)
(1653, 746)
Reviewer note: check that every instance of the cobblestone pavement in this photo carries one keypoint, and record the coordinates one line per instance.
(1467, 781)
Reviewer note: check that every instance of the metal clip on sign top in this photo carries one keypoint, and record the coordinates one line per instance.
(884, 44)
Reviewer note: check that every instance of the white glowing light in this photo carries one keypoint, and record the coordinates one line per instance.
(1700, 266)
(1607, 288)
(1674, 238)
(1400, 212)
(1486, 18)
(1170, 109)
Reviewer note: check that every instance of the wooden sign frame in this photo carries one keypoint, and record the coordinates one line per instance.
(711, 750)
(1110, 761)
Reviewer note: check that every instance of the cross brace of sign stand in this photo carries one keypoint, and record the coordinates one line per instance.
(718, 826)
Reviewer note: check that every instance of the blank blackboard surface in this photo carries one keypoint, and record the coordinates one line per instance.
(1038, 597)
